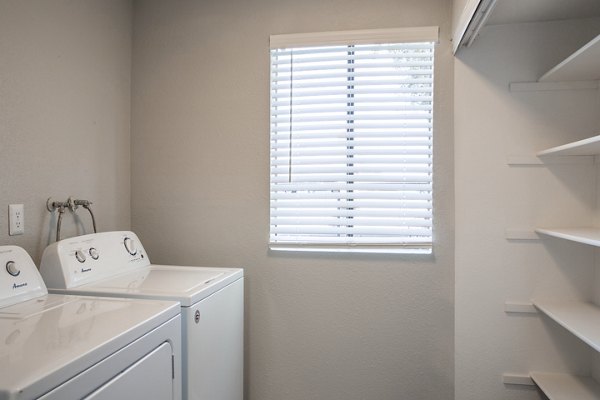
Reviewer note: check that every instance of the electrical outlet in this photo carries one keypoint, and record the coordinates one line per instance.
(16, 219)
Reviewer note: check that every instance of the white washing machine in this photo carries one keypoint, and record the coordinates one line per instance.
(75, 347)
(212, 302)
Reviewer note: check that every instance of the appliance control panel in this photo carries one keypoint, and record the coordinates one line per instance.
(20, 279)
(91, 258)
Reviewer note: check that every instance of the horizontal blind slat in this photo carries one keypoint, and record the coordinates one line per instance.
(320, 83)
(368, 100)
(355, 108)
(362, 230)
(362, 47)
(327, 161)
(283, 69)
(404, 213)
(350, 141)
(420, 93)
(357, 125)
(355, 58)
(424, 240)
(300, 120)
(415, 133)
(361, 178)
(356, 203)
(421, 73)
(373, 151)
(351, 222)
(355, 170)
(398, 187)
(300, 195)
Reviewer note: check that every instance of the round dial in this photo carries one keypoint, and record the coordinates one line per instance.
(80, 256)
(130, 246)
(94, 253)
(11, 268)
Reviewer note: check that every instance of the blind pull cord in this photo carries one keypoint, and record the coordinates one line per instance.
(291, 112)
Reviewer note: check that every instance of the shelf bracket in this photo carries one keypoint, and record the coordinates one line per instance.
(520, 234)
(517, 379)
(515, 307)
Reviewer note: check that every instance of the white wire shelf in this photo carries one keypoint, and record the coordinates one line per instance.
(580, 318)
(585, 147)
(589, 236)
(566, 387)
(583, 65)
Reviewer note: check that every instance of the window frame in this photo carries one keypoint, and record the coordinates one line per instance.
(352, 38)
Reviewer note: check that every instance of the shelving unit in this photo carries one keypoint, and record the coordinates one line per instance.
(581, 319)
(589, 236)
(578, 72)
(585, 147)
(566, 387)
(583, 65)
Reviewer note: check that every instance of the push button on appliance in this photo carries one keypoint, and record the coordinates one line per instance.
(11, 268)
(130, 246)
(94, 253)
(80, 256)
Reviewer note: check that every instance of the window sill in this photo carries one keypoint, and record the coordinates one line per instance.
(352, 249)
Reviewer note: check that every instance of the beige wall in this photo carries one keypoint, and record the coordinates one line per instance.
(318, 326)
(64, 112)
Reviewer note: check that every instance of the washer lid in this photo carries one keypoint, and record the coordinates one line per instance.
(188, 285)
(48, 340)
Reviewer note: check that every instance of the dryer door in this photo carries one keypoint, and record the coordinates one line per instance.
(214, 356)
(149, 378)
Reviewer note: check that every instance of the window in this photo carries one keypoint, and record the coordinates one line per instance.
(351, 141)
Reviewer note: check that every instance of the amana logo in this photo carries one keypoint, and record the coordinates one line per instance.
(86, 269)
(16, 286)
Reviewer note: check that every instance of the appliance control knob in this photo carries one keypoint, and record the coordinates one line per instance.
(94, 253)
(11, 268)
(80, 256)
(130, 246)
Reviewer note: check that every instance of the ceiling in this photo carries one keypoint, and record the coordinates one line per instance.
(518, 11)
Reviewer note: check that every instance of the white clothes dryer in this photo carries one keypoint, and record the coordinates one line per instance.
(61, 347)
(116, 264)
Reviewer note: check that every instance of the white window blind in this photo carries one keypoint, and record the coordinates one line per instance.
(351, 147)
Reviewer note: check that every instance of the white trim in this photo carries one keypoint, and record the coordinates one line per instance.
(549, 86)
(381, 249)
(367, 36)
(479, 21)
(519, 308)
(331, 217)
(463, 23)
(536, 160)
(517, 379)
(520, 234)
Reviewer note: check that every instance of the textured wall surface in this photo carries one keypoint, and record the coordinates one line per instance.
(318, 326)
(65, 69)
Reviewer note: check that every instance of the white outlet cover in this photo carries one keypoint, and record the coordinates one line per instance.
(16, 219)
